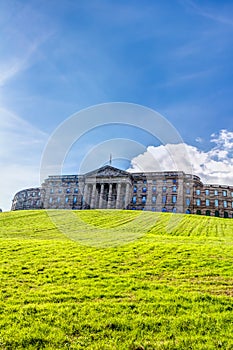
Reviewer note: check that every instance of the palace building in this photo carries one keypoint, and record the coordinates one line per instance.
(112, 188)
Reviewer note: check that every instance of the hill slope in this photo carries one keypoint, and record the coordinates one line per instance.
(169, 287)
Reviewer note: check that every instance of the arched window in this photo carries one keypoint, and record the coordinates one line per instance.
(198, 212)
(216, 213)
(188, 211)
(226, 214)
(207, 213)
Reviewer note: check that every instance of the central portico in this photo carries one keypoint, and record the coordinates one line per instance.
(107, 188)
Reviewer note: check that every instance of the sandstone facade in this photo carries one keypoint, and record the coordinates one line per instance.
(112, 188)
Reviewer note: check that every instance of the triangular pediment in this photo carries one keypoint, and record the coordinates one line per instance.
(107, 171)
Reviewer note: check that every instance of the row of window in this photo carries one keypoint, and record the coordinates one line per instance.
(216, 203)
(58, 200)
(164, 189)
(153, 199)
(67, 190)
(216, 192)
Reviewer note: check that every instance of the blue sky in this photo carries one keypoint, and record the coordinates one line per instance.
(60, 56)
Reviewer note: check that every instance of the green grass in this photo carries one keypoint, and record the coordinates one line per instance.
(169, 285)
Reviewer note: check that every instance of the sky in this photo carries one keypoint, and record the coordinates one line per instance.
(59, 57)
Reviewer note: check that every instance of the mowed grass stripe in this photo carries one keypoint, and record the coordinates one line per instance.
(172, 288)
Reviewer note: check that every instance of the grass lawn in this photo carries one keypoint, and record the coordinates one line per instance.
(146, 281)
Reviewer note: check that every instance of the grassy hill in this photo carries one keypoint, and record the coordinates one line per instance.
(145, 281)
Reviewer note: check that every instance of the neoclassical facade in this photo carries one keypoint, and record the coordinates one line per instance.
(112, 188)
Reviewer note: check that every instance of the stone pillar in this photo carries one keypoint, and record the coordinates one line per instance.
(85, 194)
(118, 200)
(93, 196)
(127, 200)
(101, 196)
(109, 197)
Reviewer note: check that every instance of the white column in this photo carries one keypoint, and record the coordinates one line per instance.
(118, 203)
(101, 196)
(109, 196)
(93, 196)
(127, 200)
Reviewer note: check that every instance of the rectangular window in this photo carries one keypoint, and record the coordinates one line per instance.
(50, 200)
(225, 204)
(68, 190)
(174, 181)
(187, 190)
(231, 194)
(216, 203)
(134, 199)
(198, 192)
(51, 190)
(135, 189)
(215, 192)
(153, 199)
(75, 200)
(207, 192)
(174, 188)
(207, 202)
(154, 189)
(232, 204)
(164, 199)
(224, 193)
(174, 199)
(198, 202)
(188, 202)
(164, 188)
(67, 199)
(76, 190)
(143, 199)
(144, 189)
(144, 181)
(58, 199)
(60, 190)
(154, 182)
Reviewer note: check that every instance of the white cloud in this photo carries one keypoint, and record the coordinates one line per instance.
(214, 166)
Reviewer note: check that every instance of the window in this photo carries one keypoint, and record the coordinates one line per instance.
(144, 189)
(216, 203)
(75, 200)
(215, 192)
(232, 204)
(50, 200)
(39, 193)
(76, 190)
(144, 181)
(231, 194)
(135, 189)
(154, 189)
(154, 199)
(68, 190)
(207, 192)
(67, 199)
(134, 199)
(198, 202)
(164, 199)
(58, 199)
(164, 181)
(173, 188)
(174, 181)
(207, 202)
(59, 190)
(174, 210)
(143, 199)
(225, 204)
(174, 199)
(153, 208)
(224, 193)
(198, 192)
(187, 190)
(154, 182)
(164, 188)
(188, 202)
(51, 190)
